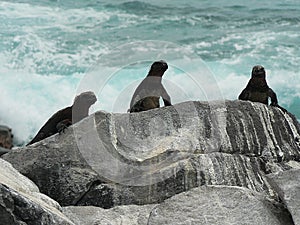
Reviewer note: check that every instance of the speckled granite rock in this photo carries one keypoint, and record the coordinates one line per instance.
(287, 185)
(219, 205)
(129, 214)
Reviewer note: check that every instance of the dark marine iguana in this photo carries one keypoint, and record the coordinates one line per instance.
(147, 94)
(67, 116)
(257, 89)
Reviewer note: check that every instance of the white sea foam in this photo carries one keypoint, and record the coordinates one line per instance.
(28, 100)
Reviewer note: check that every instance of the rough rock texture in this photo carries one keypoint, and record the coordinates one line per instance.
(143, 158)
(203, 205)
(287, 184)
(6, 137)
(219, 205)
(59, 172)
(87, 215)
(207, 169)
(3, 151)
(22, 203)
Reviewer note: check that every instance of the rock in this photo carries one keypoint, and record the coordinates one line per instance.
(22, 203)
(144, 158)
(219, 205)
(204, 205)
(3, 151)
(6, 137)
(131, 214)
(287, 184)
(204, 169)
(60, 172)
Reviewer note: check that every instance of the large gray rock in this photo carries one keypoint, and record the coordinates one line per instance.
(205, 205)
(143, 158)
(219, 205)
(87, 215)
(203, 169)
(22, 203)
(287, 184)
(59, 172)
(4, 151)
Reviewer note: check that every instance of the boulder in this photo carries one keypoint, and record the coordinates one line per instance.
(22, 203)
(204, 169)
(3, 151)
(60, 172)
(222, 205)
(6, 138)
(287, 185)
(130, 214)
(219, 205)
(111, 159)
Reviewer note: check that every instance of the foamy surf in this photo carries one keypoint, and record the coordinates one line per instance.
(47, 47)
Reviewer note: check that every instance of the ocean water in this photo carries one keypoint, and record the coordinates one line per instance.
(48, 49)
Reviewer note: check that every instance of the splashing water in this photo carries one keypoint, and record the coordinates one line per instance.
(47, 47)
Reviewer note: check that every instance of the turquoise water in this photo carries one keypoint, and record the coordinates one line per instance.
(47, 47)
